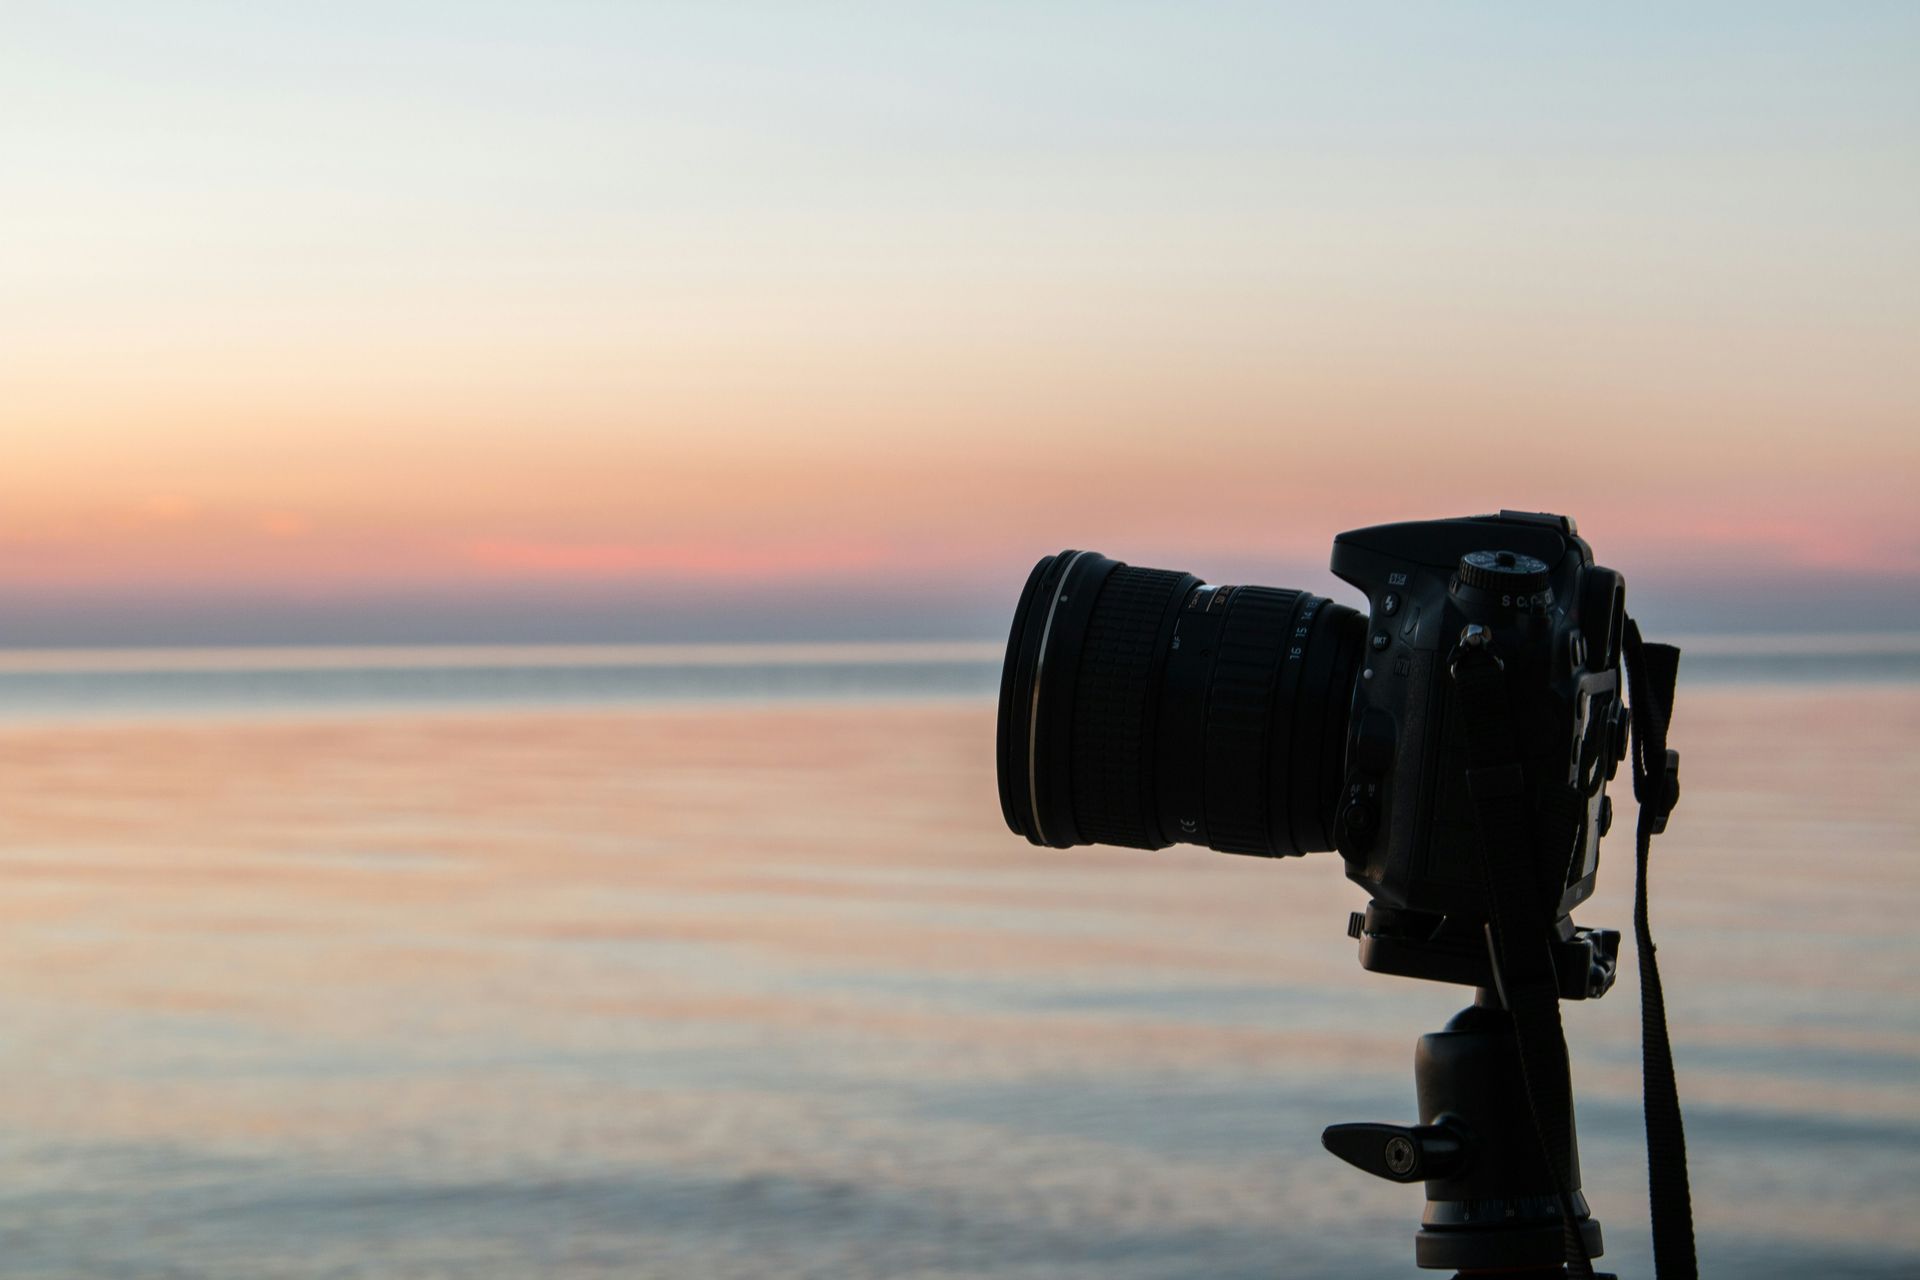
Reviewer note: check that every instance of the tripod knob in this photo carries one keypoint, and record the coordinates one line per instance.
(1398, 1153)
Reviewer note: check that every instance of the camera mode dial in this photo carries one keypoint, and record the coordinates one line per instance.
(1503, 580)
(1508, 573)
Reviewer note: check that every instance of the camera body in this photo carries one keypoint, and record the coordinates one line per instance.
(1405, 821)
(1145, 707)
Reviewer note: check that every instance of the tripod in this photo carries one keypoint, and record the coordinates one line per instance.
(1492, 1208)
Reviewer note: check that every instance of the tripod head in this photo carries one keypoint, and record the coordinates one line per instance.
(1492, 1204)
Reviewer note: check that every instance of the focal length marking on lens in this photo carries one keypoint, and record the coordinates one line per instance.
(1033, 714)
(1208, 598)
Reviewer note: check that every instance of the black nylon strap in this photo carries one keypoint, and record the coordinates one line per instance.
(1651, 672)
(1519, 931)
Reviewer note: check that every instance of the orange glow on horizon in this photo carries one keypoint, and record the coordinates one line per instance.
(784, 333)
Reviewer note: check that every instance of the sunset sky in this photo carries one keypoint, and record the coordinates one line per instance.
(395, 322)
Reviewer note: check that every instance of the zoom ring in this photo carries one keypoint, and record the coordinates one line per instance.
(1111, 771)
(1240, 716)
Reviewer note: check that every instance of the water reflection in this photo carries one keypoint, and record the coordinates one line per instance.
(768, 991)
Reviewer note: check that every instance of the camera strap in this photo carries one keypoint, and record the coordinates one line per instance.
(1651, 672)
(1522, 913)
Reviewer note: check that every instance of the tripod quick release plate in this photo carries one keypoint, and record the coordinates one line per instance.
(1414, 944)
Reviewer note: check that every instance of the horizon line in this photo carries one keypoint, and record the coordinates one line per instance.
(271, 656)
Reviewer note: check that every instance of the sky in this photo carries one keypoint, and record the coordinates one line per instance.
(571, 322)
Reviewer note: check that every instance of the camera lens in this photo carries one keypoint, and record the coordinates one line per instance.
(1144, 707)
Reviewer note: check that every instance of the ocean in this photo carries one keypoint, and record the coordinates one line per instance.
(719, 962)
(69, 684)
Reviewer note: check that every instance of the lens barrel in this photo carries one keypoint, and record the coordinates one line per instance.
(1144, 707)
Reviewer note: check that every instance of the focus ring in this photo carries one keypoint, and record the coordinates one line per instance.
(1112, 777)
(1240, 716)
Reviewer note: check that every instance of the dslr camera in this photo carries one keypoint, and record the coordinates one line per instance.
(1454, 742)
(1144, 707)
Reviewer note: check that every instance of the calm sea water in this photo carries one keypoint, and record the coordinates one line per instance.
(69, 683)
(711, 963)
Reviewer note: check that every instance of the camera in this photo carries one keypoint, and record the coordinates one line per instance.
(1454, 742)
(1145, 707)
